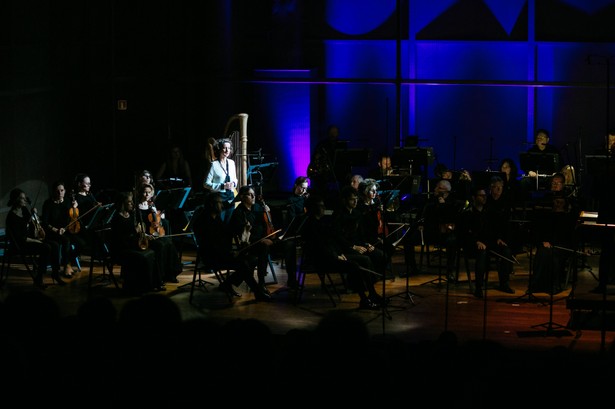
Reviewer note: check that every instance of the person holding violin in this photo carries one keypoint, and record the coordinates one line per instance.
(374, 226)
(139, 269)
(56, 219)
(27, 235)
(249, 223)
(295, 209)
(167, 256)
(83, 208)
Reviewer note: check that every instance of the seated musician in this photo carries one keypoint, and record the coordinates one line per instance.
(129, 248)
(329, 253)
(555, 244)
(349, 232)
(437, 223)
(373, 219)
(215, 246)
(167, 256)
(461, 182)
(500, 210)
(250, 226)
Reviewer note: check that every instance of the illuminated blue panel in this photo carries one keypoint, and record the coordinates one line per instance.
(469, 125)
(287, 107)
(360, 59)
(483, 61)
(357, 17)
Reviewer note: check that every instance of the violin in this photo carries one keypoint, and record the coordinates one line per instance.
(74, 225)
(39, 232)
(155, 218)
(267, 217)
(383, 228)
(143, 241)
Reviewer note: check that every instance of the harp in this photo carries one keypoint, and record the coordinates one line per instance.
(237, 125)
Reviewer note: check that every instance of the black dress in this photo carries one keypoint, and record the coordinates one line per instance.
(139, 269)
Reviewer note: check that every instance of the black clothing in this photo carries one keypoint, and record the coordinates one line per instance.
(56, 215)
(139, 269)
(348, 231)
(18, 230)
(258, 254)
(323, 249)
(167, 258)
(549, 267)
(215, 249)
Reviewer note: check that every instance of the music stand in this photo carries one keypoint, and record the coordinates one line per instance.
(541, 163)
(172, 198)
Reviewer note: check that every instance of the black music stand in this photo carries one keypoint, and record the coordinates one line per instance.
(172, 198)
(545, 163)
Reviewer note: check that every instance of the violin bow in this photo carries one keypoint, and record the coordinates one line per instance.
(258, 241)
(83, 215)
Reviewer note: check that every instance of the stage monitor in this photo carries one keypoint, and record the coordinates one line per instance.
(541, 163)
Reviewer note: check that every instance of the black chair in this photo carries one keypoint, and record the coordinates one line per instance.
(99, 252)
(10, 252)
(307, 265)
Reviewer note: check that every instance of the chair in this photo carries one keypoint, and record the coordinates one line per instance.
(308, 266)
(100, 252)
(10, 250)
(201, 267)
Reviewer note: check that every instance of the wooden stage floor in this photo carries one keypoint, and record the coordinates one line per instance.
(418, 312)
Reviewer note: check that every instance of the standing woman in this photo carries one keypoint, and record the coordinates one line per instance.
(222, 176)
(28, 238)
(56, 220)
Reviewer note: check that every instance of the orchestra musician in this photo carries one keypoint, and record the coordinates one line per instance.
(295, 208)
(138, 262)
(349, 231)
(167, 256)
(249, 224)
(437, 224)
(555, 244)
(373, 220)
(500, 210)
(175, 171)
(56, 221)
(84, 201)
(222, 176)
(215, 247)
(328, 253)
(21, 228)
(541, 145)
